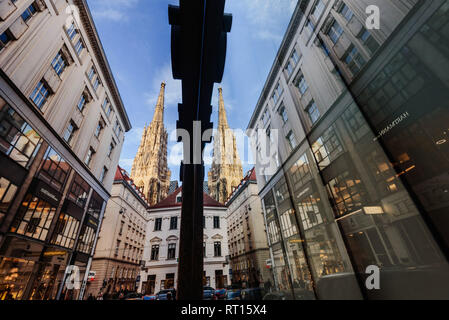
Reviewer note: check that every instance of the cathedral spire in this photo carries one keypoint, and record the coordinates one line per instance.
(226, 171)
(150, 169)
(159, 110)
(222, 118)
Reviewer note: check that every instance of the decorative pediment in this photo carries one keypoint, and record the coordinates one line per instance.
(205, 237)
(172, 238)
(217, 237)
(156, 239)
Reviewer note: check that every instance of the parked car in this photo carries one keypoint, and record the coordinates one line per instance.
(133, 296)
(233, 294)
(253, 294)
(209, 293)
(149, 297)
(165, 294)
(221, 293)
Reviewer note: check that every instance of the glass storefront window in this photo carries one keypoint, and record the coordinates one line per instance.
(79, 191)
(86, 241)
(33, 218)
(65, 231)
(327, 148)
(14, 276)
(54, 170)
(7, 193)
(17, 139)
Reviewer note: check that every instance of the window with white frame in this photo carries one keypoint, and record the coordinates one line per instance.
(40, 94)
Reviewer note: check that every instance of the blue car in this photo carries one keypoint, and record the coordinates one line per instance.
(234, 294)
(164, 294)
(221, 293)
(209, 293)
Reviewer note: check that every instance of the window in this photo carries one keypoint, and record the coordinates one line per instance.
(310, 26)
(302, 85)
(155, 252)
(171, 254)
(82, 102)
(288, 224)
(369, 41)
(117, 128)
(283, 114)
(108, 111)
(33, 218)
(327, 148)
(59, 63)
(105, 103)
(295, 57)
(72, 32)
(65, 231)
(87, 239)
(354, 60)
(318, 11)
(40, 94)
(216, 222)
(117, 248)
(96, 83)
(158, 224)
(89, 156)
(7, 193)
(173, 223)
(91, 73)
(289, 68)
(111, 149)
(313, 112)
(300, 172)
(79, 47)
(79, 191)
(5, 38)
(122, 224)
(335, 32)
(54, 170)
(346, 192)
(28, 13)
(103, 174)
(99, 128)
(291, 140)
(346, 12)
(217, 249)
(70, 132)
(17, 139)
(277, 93)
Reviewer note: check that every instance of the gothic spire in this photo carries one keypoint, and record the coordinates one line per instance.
(222, 118)
(159, 110)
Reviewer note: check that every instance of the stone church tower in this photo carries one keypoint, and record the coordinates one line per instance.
(226, 170)
(150, 171)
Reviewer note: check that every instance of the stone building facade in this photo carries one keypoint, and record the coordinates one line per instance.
(118, 255)
(357, 172)
(248, 247)
(160, 266)
(62, 130)
(226, 170)
(150, 170)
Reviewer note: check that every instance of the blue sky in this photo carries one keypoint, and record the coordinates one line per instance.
(136, 37)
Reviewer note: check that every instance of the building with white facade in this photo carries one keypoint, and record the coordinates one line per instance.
(63, 126)
(161, 251)
(118, 255)
(356, 122)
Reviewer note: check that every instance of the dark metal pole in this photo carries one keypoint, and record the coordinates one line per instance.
(199, 33)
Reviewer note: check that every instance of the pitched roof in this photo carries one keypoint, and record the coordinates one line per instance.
(170, 201)
(122, 175)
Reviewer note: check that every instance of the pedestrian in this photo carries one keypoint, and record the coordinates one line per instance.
(91, 297)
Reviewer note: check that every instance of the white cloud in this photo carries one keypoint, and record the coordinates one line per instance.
(173, 89)
(115, 10)
(266, 17)
(126, 164)
(134, 136)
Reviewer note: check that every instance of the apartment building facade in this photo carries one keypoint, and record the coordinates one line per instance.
(119, 251)
(356, 173)
(248, 247)
(62, 130)
(160, 265)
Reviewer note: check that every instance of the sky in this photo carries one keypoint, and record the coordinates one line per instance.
(136, 37)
